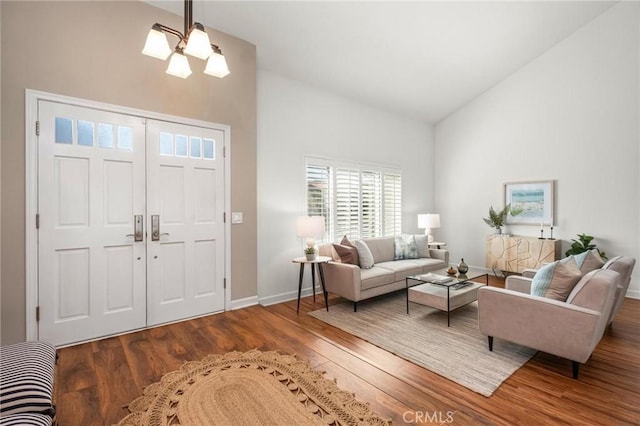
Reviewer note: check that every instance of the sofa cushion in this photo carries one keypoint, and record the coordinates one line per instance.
(375, 277)
(346, 254)
(422, 244)
(401, 268)
(382, 248)
(364, 254)
(430, 264)
(345, 242)
(555, 280)
(405, 247)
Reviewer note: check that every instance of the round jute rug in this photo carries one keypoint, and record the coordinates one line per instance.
(248, 388)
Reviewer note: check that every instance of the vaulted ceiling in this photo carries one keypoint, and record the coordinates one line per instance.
(423, 60)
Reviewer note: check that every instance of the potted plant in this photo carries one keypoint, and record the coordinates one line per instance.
(583, 244)
(497, 219)
(310, 252)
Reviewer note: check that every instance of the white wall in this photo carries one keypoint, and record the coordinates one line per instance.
(295, 120)
(571, 115)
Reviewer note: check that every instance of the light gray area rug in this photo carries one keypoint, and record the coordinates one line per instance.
(460, 352)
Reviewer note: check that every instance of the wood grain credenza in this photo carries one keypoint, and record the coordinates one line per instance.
(513, 253)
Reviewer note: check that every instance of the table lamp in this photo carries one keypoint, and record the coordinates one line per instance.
(427, 222)
(310, 227)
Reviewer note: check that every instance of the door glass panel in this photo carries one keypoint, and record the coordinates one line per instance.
(85, 133)
(64, 130)
(195, 147)
(208, 148)
(105, 135)
(125, 138)
(166, 143)
(181, 146)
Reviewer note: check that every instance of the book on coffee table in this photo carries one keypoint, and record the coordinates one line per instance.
(435, 278)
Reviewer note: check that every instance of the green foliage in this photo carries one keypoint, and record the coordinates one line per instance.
(497, 219)
(583, 244)
(309, 250)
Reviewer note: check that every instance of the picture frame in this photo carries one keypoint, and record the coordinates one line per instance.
(535, 198)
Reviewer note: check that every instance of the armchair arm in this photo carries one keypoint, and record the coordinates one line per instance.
(529, 273)
(548, 325)
(518, 283)
(342, 279)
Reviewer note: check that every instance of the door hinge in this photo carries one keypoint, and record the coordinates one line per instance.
(225, 283)
(37, 220)
(37, 128)
(37, 313)
(224, 151)
(224, 217)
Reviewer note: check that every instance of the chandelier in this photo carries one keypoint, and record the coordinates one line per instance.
(194, 42)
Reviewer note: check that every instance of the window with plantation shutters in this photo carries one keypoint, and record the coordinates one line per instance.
(360, 201)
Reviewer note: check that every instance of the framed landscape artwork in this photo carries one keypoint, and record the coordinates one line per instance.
(534, 201)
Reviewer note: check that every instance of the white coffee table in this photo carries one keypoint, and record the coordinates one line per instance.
(449, 296)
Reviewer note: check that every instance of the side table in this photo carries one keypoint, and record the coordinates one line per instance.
(317, 261)
(437, 244)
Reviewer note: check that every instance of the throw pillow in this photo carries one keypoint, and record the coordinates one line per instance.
(345, 242)
(405, 247)
(364, 254)
(555, 280)
(346, 254)
(588, 261)
(422, 244)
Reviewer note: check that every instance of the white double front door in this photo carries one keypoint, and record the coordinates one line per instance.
(131, 230)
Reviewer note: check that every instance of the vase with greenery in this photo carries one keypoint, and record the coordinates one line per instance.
(497, 219)
(582, 244)
(310, 252)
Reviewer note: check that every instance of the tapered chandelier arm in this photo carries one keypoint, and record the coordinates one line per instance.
(169, 30)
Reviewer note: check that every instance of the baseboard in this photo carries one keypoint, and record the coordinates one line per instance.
(244, 303)
(633, 294)
(285, 297)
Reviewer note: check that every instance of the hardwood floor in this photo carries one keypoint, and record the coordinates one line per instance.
(95, 381)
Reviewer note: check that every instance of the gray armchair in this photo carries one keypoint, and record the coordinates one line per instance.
(621, 264)
(570, 329)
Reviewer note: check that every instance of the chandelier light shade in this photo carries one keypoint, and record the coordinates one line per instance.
(194, 42)
(198, 44)
(157, 45)
(179, 65)
(217, 65)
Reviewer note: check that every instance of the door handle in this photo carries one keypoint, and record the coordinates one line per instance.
(138, 227)
(155, 227)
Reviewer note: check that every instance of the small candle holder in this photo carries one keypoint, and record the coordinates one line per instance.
(551, 234)
(541, 237)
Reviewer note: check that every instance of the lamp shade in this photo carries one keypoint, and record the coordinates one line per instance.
(156, 45)
(198, 44)
(179, 65)
(217, 65)
(310, 226)
(429, 221)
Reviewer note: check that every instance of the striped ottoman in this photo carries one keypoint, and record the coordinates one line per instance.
(26, 383)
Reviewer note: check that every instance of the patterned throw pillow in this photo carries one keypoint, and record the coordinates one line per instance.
(555, 280)
(345, 242)
(588, 261)
(405, 247)
(365, 255)
(422, 244)
(347, 254)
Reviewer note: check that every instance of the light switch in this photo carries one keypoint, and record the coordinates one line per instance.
(236, 217)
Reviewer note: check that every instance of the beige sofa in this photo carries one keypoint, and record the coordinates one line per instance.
(570, 329)
(387, 275)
